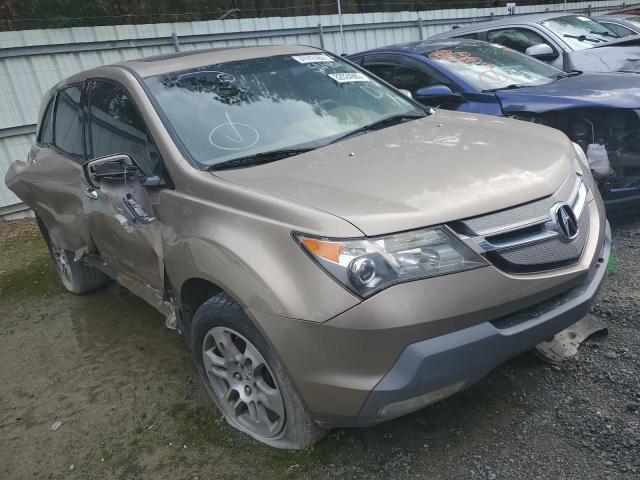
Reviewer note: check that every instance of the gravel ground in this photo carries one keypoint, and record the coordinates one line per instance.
(130, 405)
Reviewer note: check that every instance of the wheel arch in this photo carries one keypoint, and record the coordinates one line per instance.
(193, 293)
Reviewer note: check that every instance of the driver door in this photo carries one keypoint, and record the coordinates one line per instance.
(408, 74)
(520, 38)
(121, 207)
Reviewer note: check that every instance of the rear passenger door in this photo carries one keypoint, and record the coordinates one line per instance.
(129, 244)
(54, 179)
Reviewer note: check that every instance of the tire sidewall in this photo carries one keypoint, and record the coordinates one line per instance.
(224, 312)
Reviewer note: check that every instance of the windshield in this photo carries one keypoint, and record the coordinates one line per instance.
(634, 19)
(580, 33)
(492, 67)
(250, 107)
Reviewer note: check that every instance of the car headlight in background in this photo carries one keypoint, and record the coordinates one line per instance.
(366, 266)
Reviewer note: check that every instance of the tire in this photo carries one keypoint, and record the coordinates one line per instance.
(76, 277)
(288, 426)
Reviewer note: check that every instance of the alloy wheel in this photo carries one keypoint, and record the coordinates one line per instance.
(242, 381)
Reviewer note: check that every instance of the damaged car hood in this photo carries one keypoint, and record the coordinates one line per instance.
(589, 90)
(622, 55)
(424, 172)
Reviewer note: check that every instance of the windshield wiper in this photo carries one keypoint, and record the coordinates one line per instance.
(266, 157)
(380, 124)
(258, 158)
(583, 38)
(570, 73)
(604, 34)
(512, 86)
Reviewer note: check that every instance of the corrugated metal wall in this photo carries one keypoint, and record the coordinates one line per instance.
(31, 61)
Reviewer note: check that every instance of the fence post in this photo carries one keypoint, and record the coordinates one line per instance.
(589, 11)
(420, 32)
(321, 34)
(176, 43)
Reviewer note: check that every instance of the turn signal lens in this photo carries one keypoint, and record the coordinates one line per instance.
(323, 249)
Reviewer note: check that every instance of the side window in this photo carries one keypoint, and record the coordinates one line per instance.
(619, 29)
(117, 127)
(516, 38)
(45, 135)
(403, 77)
(68, 131)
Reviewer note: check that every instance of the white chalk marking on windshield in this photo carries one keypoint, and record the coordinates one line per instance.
(241, 134)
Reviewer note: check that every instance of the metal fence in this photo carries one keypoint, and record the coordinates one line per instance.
(31, 61)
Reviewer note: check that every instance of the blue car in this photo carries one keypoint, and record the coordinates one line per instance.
(598, 111)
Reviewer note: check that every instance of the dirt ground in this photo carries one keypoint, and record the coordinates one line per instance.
(131, 406)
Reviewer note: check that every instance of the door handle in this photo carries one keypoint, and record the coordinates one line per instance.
(91, 193)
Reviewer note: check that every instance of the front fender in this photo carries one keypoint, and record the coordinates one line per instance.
(251, 257)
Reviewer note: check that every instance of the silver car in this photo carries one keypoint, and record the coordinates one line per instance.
(623, 25)
(567, 42)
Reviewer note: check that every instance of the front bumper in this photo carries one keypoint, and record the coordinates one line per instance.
(391, 347)
(433, 369)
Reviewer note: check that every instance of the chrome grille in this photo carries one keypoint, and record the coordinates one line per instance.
(525, 238)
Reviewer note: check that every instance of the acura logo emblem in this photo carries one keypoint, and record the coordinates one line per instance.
(565, 221)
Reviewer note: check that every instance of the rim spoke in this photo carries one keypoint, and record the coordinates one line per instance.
(228, 396)
(213, 360)
(253, 411)
(256, 359)
(215, 364)
(226, 346)
(264, 418)
(236, 406)
(269, 396)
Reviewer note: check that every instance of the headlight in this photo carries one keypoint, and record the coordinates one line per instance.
(366, 266)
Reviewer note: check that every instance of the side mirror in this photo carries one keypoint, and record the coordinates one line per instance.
(436, 95)
(542, 50)
(112, 166)
(405, 92)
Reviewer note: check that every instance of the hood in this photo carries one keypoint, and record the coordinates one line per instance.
(617, 56)
(589, 90)
(425, 172)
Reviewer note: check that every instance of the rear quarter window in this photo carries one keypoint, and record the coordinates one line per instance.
(45, 134)
(68, 130)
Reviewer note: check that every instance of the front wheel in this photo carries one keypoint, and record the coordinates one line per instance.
(245, 378)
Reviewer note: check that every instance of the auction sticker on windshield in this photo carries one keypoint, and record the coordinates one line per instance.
(312, 58)
(347, 77)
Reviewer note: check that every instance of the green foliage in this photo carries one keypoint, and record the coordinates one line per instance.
(33, 14)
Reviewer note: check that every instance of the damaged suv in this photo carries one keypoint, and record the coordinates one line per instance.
(598, 111)
(334, 253)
